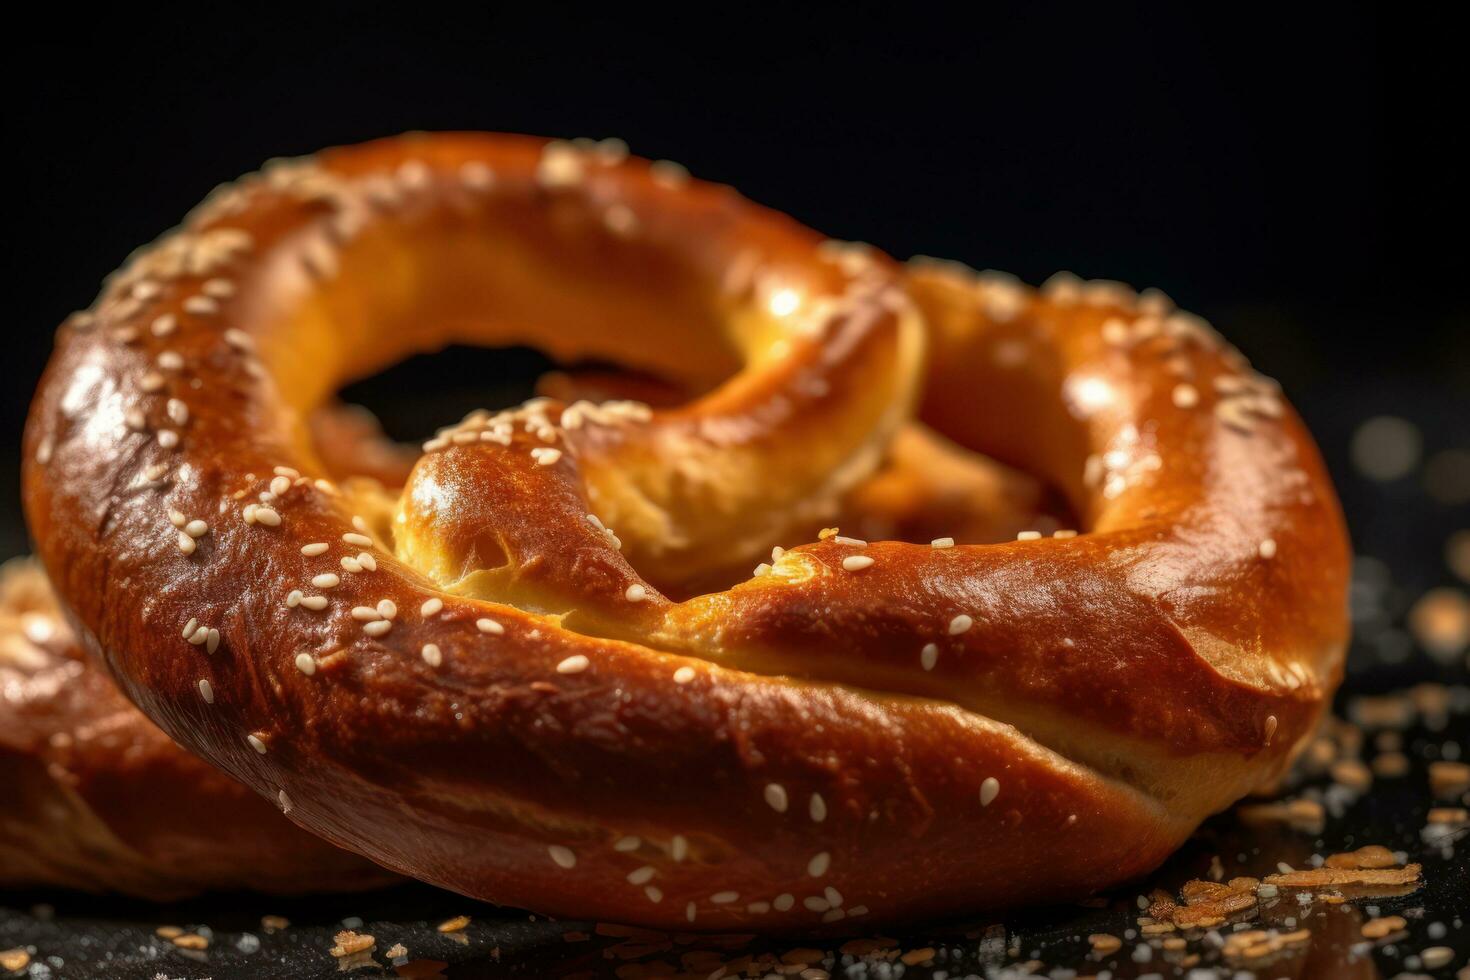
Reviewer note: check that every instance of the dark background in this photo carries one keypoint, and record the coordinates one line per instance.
(1292, 175)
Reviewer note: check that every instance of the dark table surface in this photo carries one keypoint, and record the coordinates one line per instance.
(1400, 528)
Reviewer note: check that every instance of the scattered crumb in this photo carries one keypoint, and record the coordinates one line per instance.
(1386, 926)
(1371, 856)
(349, 942)
(1448, 779)
(1326, 877)
(455, 924)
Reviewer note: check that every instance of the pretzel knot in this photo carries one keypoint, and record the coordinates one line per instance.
(513, 678)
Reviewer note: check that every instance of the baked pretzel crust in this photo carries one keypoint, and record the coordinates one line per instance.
(491, 681)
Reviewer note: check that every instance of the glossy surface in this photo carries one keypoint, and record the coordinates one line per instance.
(1092, 698)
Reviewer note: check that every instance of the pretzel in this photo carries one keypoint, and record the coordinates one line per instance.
(498, 681)
(98, 799)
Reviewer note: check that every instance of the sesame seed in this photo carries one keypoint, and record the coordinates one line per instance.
(941, 544)
(476, 175)
(655, 895)
(819, 864)
(196, 528)
(855, 542)
(366, 614)
(668, 174)
(489, 626)
(816, 903)
(626, 844)
(284, 800)
(206, 691)
(267, 516)
(545, 455)
(211, 643)
(367, 561)
(151, 382)
(783, 902)
(171, 360)
(167, 438)
(306, 663)
(432, 655)
(635, 593)
(218, 288)
(724, 898)
(690, 911)
(377, 628)
(833, 896)
(190, 627)
(186, 543)
(960, 624)
(856, 563)
(620, 220)
(239, 339)
(431, 606)
(326, 580)
(678, 848)
(641, 875)
(1270, 728)
(1028, 535)
(280, 485)
(177, 411)
(1267, 548)
(314, 549)
(563, 856)
(1185, 396)
(573, 665)
(683, 675)
(256, 743)
(164, 324)
(387, 608)
(200, 305)
(351, 564)
(929, 656)
(776, 797)
(316, 603)
(357, 540)
(989, 790)
(817, 808)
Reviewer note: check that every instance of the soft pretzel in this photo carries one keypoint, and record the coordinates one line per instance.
(98, 799)
(489, 682)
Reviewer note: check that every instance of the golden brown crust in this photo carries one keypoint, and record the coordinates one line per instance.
(480, 685)
(99, 799)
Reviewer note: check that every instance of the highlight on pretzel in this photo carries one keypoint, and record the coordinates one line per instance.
(506, 680)
(98, 799)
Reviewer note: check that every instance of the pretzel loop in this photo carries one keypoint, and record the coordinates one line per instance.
(511, 679)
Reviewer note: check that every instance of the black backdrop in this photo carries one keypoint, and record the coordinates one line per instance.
(1291, 175)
